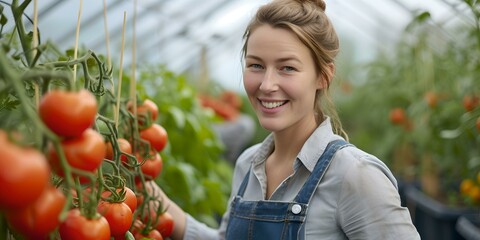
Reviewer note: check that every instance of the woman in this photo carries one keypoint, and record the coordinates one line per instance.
(304, 181)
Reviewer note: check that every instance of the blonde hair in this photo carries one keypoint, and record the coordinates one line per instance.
(307, 20)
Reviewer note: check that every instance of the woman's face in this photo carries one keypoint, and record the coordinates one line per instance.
(280, 79)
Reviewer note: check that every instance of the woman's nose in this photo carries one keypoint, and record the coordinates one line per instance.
(269, 81)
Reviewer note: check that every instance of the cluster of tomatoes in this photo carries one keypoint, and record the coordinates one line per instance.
(227, 105)
(398, 115)
(61, 189)
(470, 189)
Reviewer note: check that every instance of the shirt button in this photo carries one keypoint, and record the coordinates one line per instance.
(296, 209)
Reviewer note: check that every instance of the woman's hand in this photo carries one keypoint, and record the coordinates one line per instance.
(177, 213)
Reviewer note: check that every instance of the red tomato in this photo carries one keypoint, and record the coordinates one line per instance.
(156, 135)
(137, 226)
(85, 152)
(124, 146)
(66, 113)
(40, 218)
(148, 107)
(431, 98)
(139, 231)
(24, 174)
(165, 224)
(78, 227)
(470, 102)
(145, 110)
(130, 198)
(223, 109)
(152, 166)
(231, 98)
(153, 234)
(150, 217)
(398, 116)
(119, 216)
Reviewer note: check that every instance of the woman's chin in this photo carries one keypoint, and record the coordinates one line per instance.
(270, 125)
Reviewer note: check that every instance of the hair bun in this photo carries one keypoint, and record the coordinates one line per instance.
(319, 3)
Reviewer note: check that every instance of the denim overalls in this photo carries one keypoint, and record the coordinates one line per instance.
(272, 220)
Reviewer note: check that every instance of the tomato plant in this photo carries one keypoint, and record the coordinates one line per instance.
(66, 113)
(119, 217)
(40, 218)
(85, 152)
(78, 227)
(68, 128)
(24, 174)
(165, 224)
(156, 135)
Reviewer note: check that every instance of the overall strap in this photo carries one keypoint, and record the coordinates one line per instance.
(306, 193)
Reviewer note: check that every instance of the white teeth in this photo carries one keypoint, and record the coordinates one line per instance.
(272, 104)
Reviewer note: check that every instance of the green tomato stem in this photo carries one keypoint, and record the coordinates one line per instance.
(24, 40)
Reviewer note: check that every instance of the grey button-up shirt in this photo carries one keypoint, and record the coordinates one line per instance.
(356, 199)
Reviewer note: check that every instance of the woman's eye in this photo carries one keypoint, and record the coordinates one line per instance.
(256, 66)
(288, 69)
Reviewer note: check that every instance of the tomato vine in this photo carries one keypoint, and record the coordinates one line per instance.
(72, 143)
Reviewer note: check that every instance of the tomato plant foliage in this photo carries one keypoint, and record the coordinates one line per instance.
(74, 156)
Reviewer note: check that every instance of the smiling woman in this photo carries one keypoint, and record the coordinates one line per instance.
(304, 181)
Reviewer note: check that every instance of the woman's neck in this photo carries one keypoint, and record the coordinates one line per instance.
(289, 142)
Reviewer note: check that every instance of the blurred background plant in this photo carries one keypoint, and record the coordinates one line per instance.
(418, 106)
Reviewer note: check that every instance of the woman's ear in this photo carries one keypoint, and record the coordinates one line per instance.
(326, 77)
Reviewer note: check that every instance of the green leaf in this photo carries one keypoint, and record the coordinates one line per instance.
(178, 116)
(422, 17)
(70, 52)
(91, 62)
(8, 102)
(3, 20)
(194, 123)
(419, 19)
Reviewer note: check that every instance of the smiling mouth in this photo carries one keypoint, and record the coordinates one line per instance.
(271, 105)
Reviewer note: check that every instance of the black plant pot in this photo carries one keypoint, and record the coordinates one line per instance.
(433, 219)
(402, 185)
(468, 226)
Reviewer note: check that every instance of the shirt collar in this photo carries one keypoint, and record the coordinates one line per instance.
(316, 144)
